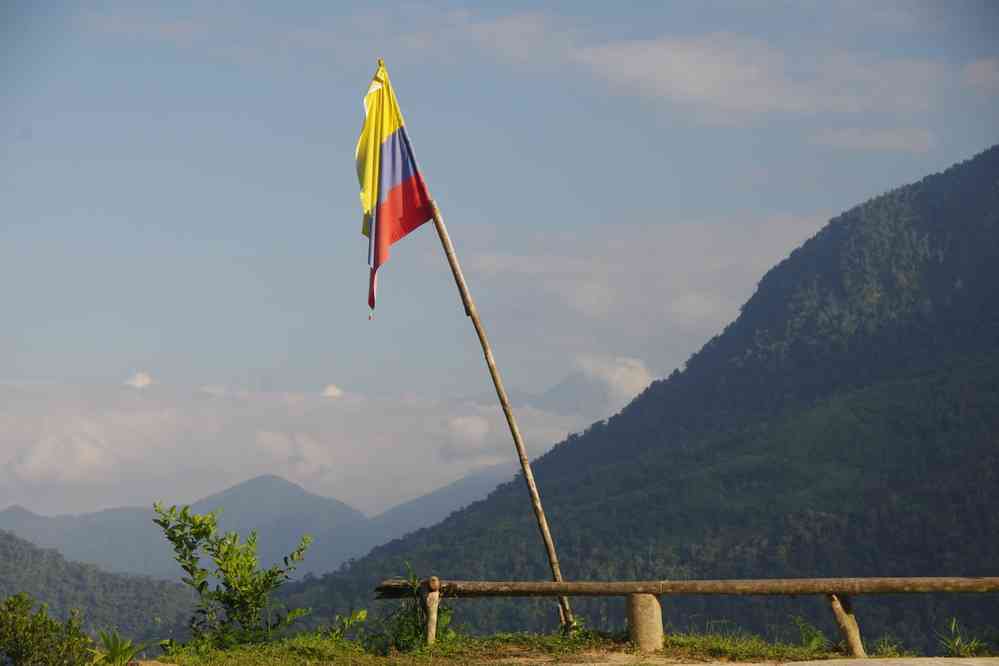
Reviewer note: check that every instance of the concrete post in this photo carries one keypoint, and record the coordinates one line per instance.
(645, 622)
(431, 596)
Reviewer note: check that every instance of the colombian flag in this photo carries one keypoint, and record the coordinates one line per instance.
(394, 197)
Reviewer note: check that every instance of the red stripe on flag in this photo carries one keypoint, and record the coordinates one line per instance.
(404, 208)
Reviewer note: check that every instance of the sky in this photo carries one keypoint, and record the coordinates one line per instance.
(182, 277)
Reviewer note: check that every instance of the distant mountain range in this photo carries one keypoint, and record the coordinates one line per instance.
(125, 539)
(843, 425)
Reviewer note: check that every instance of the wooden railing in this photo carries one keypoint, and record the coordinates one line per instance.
(645, 613)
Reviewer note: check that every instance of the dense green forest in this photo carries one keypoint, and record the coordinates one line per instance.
(846, 423)
(139, 607)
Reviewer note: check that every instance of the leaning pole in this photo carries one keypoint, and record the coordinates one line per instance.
(525, 464)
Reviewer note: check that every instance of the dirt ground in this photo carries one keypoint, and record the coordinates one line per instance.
(622, 658)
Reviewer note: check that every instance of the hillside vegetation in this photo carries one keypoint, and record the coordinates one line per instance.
(138, 606)
(844, 424)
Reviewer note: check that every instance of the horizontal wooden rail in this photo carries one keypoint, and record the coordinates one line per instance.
(645, 614)
(397, 588)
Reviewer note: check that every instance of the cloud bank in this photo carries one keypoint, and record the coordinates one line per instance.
(69, 449)
(717, 77)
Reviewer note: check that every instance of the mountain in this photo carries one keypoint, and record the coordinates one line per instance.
(435, 506)
(140, 607)
(577, 393)
(121, 540)
(843, 425)
(282, 512)
(126, 540)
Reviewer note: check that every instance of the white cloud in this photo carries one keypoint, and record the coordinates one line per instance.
(78, 453)
(296, 455)
(719, 71)
(624, 377)
(719, 77)
(528, 38)
(652, 292)
(471, 429)
(982, 75)
(332, 391)
(907, 140)
(140, 380)
(75, 448)
(699, 271)
(479, 435)
(724, 77)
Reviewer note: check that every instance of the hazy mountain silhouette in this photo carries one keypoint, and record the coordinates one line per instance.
(125, 539)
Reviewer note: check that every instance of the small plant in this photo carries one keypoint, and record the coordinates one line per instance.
(115, 650)
(36, 639)
(342, 626)
(888, 646)
(811, 636)
(238, 609)
(956, 644)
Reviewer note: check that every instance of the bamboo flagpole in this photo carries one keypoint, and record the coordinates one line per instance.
(525, 464)
(394, 202)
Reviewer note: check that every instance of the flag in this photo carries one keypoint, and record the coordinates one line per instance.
(394, 197)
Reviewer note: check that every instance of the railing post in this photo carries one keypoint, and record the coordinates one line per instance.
(430, 594)
(645, 622)
(842, 608)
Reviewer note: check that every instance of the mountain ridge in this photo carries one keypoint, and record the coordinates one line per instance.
(893, 296)
(124, 539)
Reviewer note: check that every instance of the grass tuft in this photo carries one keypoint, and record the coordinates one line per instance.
(739, 646)
(318, 649)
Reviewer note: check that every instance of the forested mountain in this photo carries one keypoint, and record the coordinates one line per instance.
(846, 423)
(140, 607)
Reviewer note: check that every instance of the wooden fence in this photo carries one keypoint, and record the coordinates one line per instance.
(645, 613)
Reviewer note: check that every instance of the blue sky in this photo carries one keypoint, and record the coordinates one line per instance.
(179, 218)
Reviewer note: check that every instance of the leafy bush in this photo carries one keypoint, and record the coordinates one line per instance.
(343, 626)
(238, 609)
(115, 650)
(36, 639)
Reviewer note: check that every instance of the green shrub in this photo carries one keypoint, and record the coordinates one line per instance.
(343, 626)
(35, 639)
(115, 650)
(956, 644)
(238, 609)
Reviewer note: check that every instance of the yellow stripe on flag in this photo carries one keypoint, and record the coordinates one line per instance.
(382, 117)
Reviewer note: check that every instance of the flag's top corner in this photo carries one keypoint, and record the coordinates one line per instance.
(380, 78)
